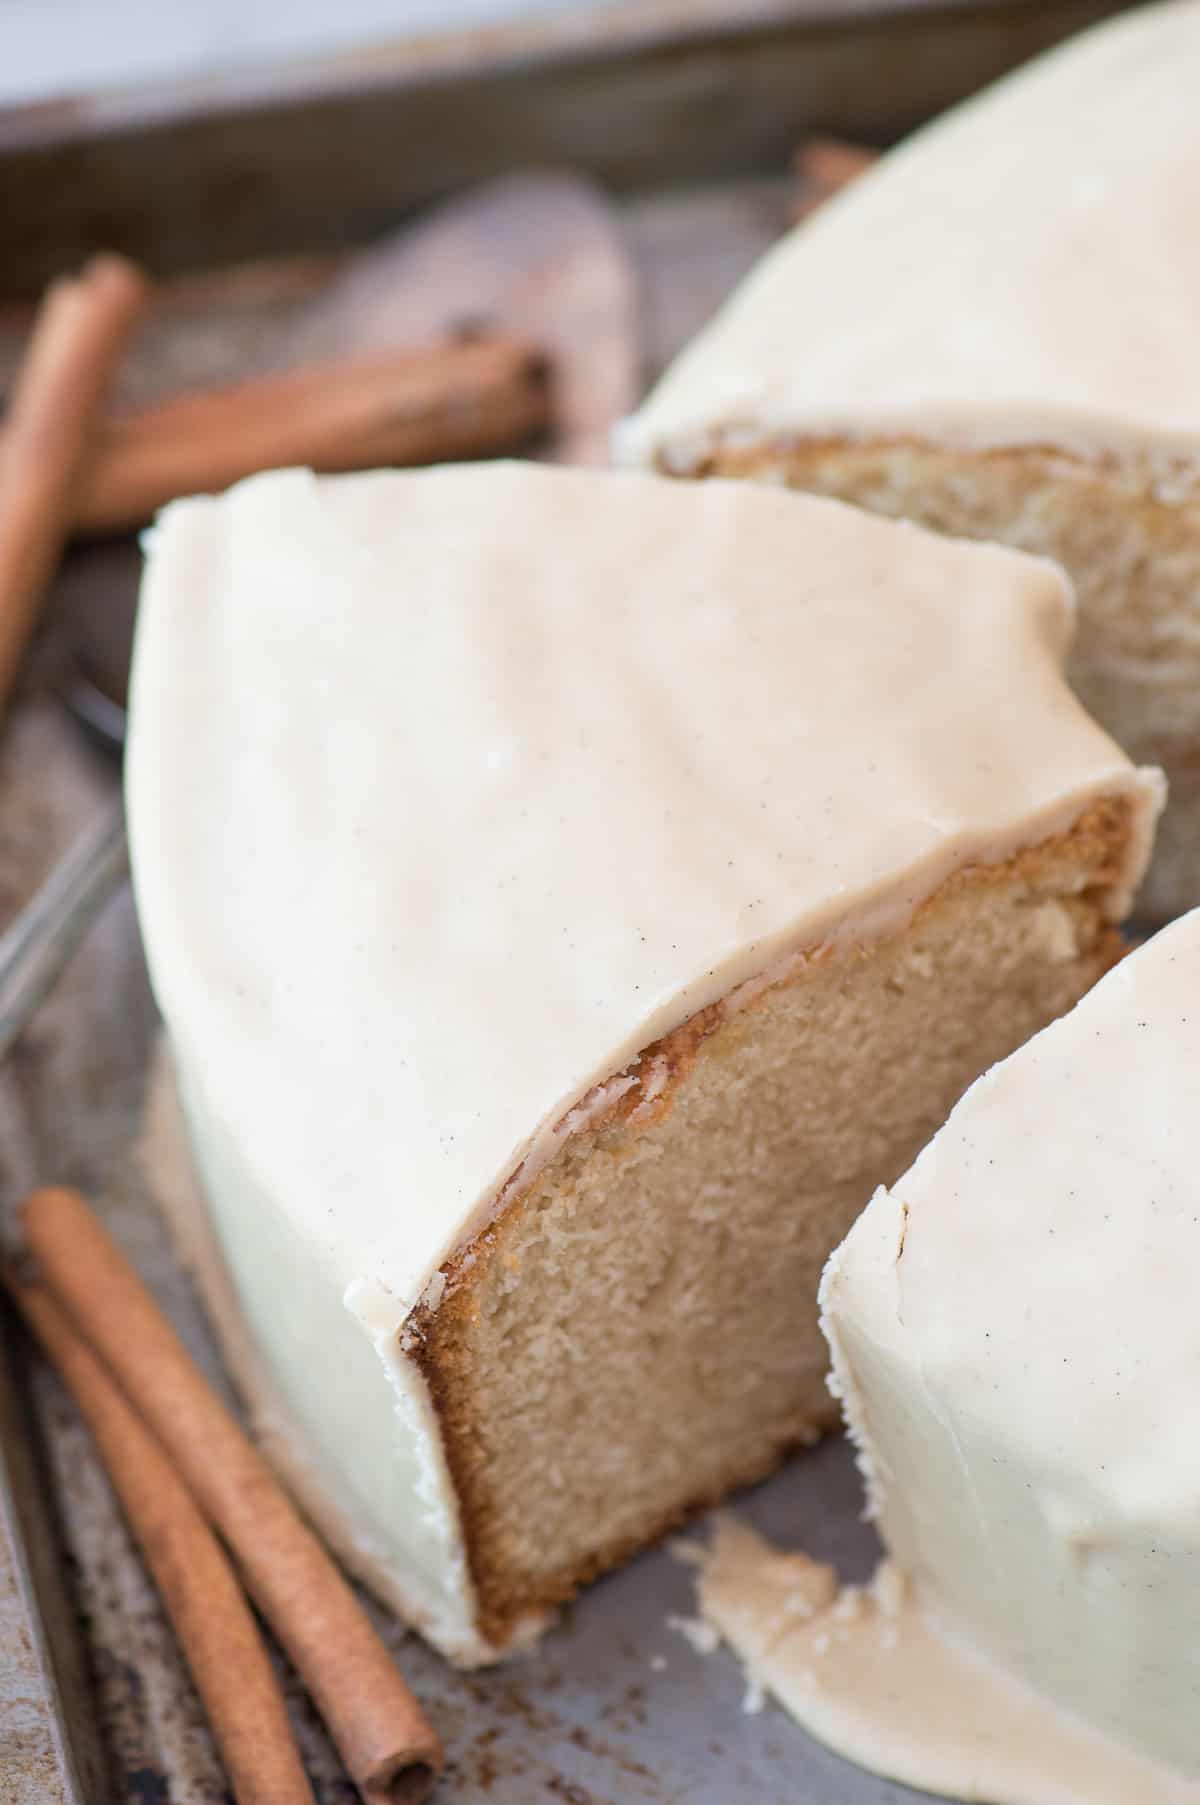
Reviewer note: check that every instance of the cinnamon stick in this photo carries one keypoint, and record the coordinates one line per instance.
(462, 399)
(78, 336)
(206, 1605)
(823, 167)
(387, 1744)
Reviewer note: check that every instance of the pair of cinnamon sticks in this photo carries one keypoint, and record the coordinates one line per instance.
(64, 468)
(211, 1518)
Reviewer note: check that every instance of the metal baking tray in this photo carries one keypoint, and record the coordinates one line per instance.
(639, 94)
(615, 1705)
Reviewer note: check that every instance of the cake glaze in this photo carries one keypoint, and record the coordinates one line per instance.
(403, 746)
(867, 1672)
(983, 286)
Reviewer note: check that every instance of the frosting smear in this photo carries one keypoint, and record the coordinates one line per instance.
(866, 1672)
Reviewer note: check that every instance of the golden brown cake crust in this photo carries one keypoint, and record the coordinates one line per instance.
(439, 1338)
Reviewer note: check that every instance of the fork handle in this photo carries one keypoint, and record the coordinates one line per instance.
(37, 945)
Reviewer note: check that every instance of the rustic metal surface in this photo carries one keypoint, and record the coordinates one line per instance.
(48, 1715)
(639, 93)
(43, 1684)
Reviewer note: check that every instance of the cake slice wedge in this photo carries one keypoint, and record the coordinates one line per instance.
(1016, 1342)
(993, 332)
(568, 896)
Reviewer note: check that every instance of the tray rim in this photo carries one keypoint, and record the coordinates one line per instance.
(570, 37)
(639, 95)
(29, 1524)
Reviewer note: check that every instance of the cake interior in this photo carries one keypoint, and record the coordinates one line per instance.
(1132, 548)
(636, 1332)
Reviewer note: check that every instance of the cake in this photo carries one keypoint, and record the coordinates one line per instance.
(1016, 1341)
(994, 333)
(568, 896)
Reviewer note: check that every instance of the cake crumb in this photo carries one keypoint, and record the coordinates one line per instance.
(848, 1604)
(687, 1551)
(889, 1587)
(700, 1636)
(754, 1698)
(434, 1292)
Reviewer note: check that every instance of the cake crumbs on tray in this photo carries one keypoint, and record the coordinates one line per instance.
(687, 1551)
(700, 1635)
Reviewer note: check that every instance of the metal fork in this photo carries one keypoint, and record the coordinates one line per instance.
(36, 946)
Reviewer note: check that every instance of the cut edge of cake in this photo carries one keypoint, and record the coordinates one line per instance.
(1053, 902)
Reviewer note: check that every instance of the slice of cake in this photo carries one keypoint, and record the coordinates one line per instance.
(994, 333)
(568, 896)
(1017, 1343)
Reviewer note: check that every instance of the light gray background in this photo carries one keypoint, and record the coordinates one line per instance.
(50, 48)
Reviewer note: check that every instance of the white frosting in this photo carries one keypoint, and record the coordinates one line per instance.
(1024, 271)
(380, 1497)
(450, 791)
(1017, 1343)
(864, 1671)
